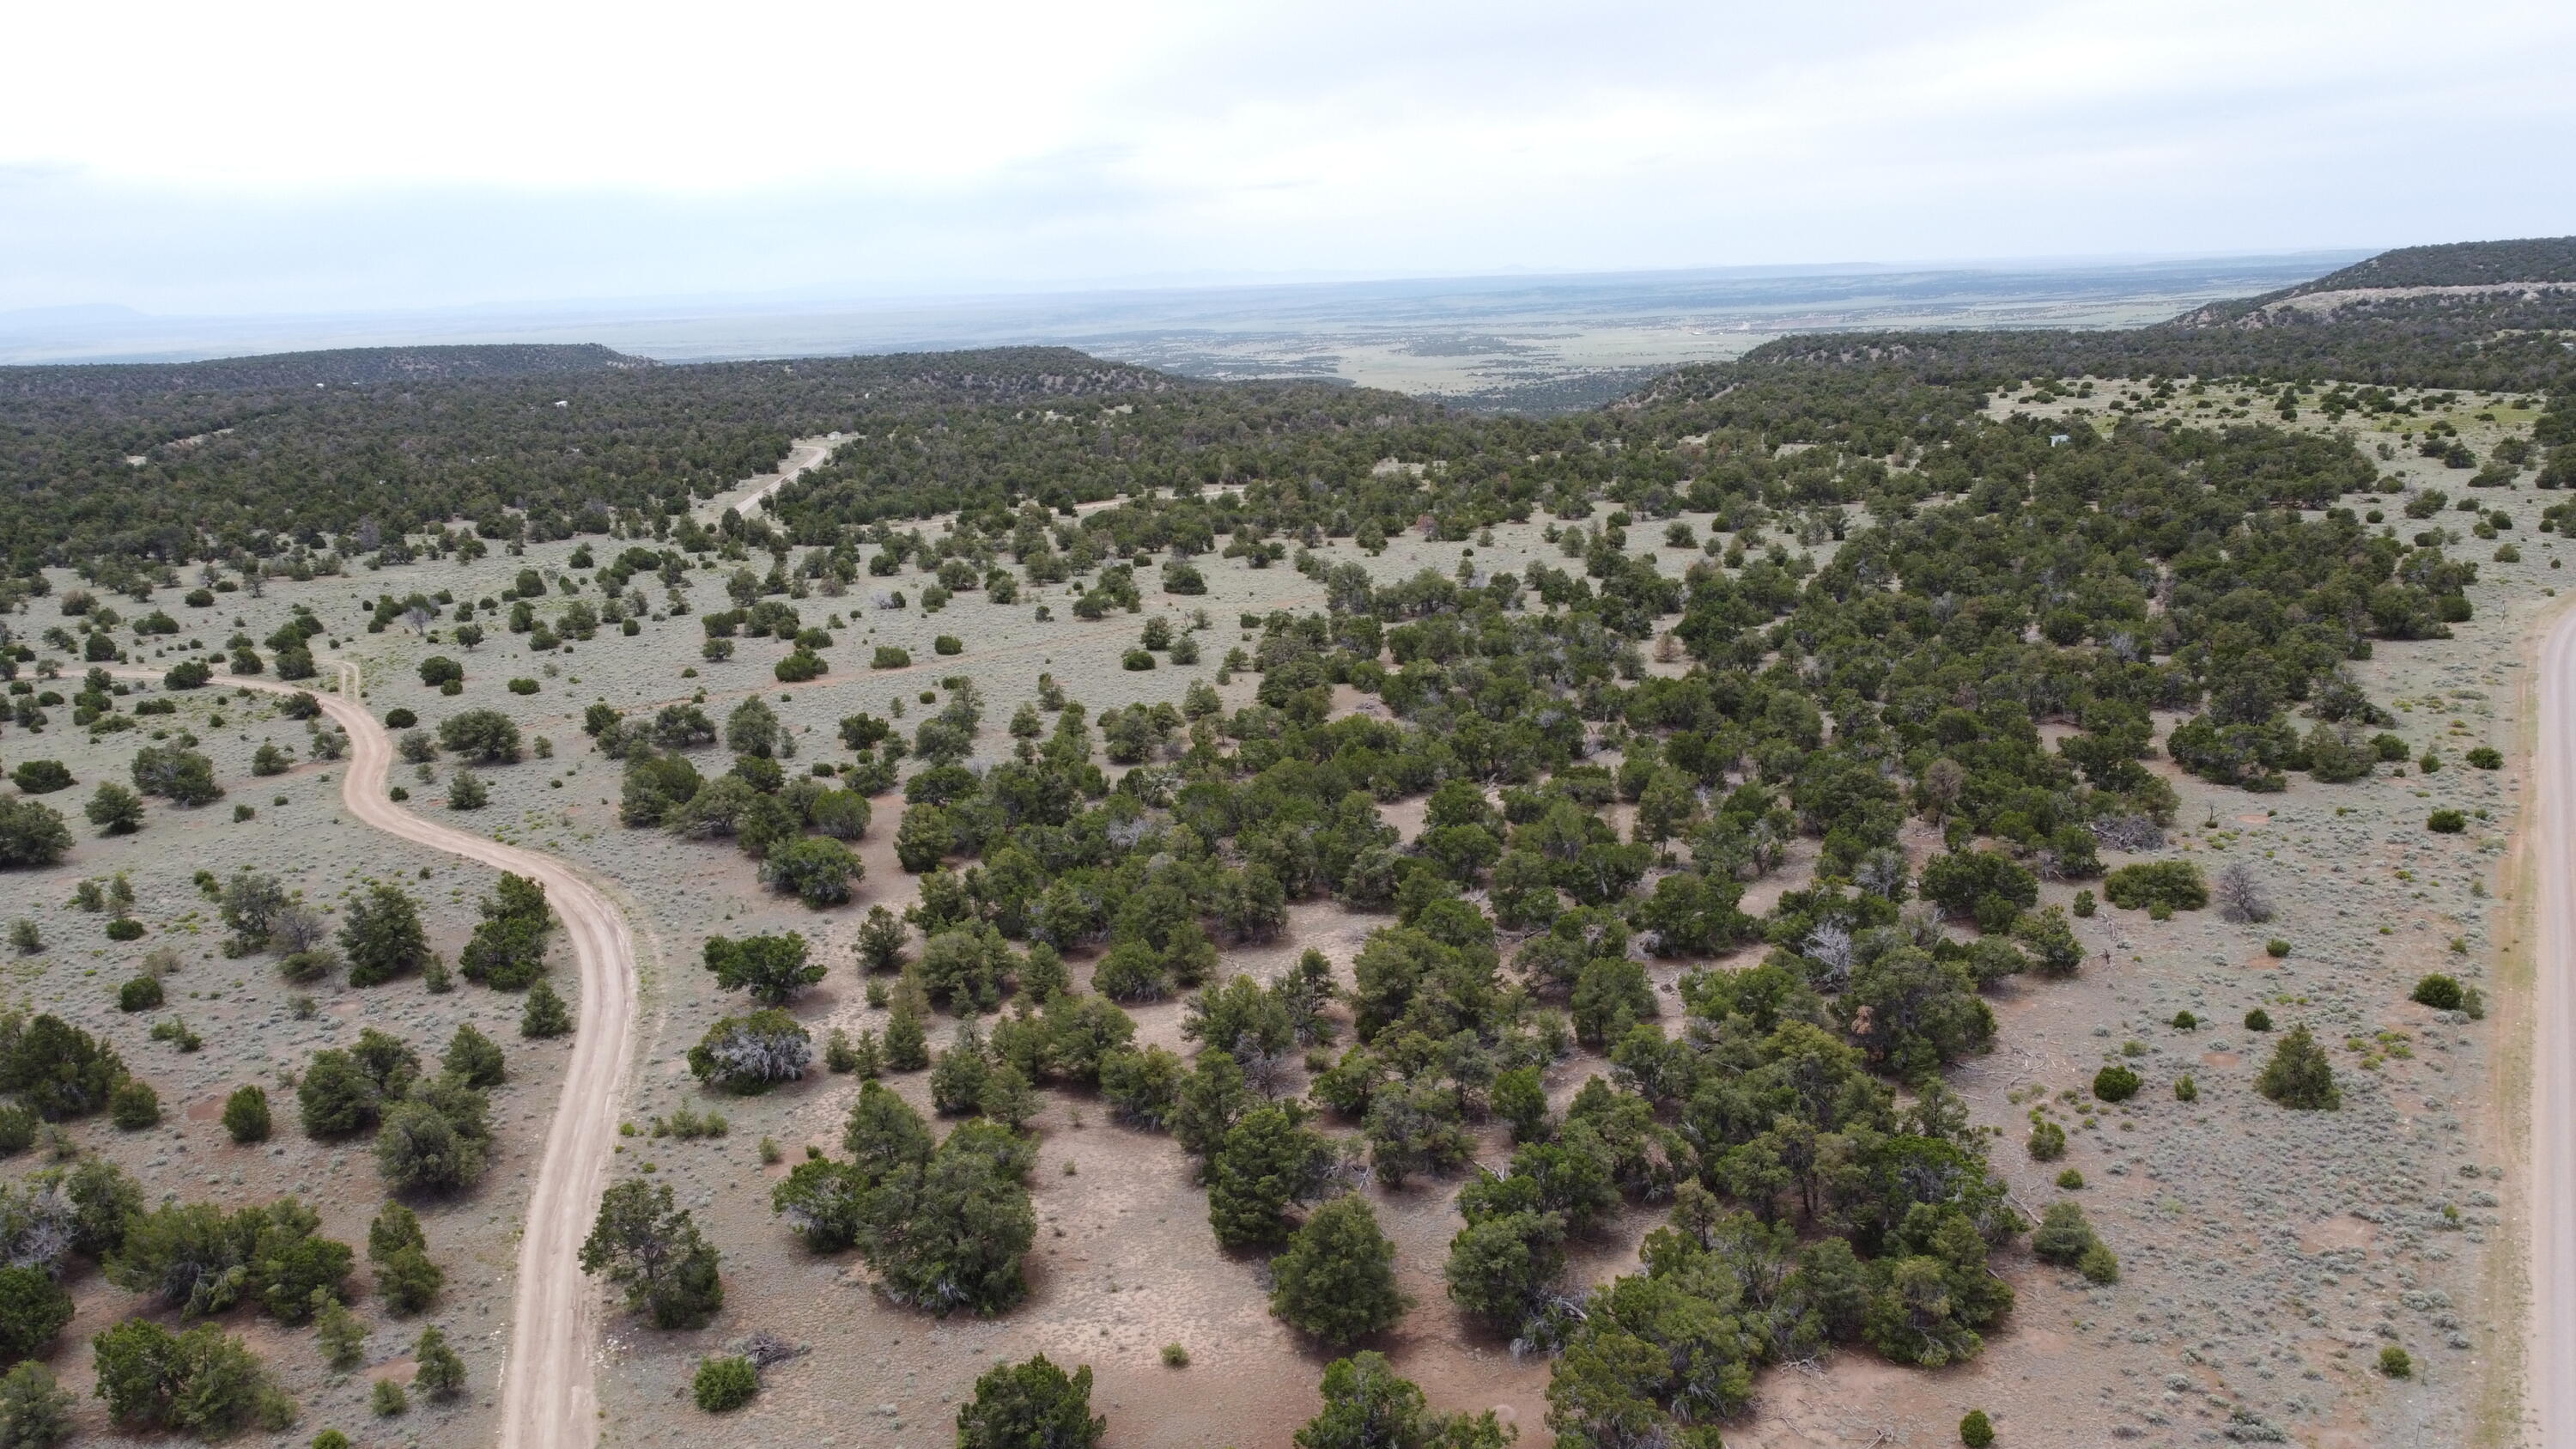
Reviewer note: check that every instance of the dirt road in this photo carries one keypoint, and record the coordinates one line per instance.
(2550, 1373)
(548, 1398)
(803, 455)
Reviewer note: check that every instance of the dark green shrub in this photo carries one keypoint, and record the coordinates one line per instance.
(42, 777)
(484, 736)
(435, 1141)
(2442, 993)
(56, 1068)
(2174, 884)
(948, 644)
(142, 993)
(115, 809)
(2446, 822)
(33, 1309)
(1017, 1406)
(133, 1105)
(474, 1059)
(1983, 885)
(773, 969)
(1976, 1431)
(952, 1232)
(724, 1384)
(2115, 1083)
(201, 1382)
(246, 1114)
(35, 1411)
(815, 869)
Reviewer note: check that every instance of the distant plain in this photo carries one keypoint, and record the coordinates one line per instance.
(1517, 343)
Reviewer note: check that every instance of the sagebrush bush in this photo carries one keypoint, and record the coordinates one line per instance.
(2047, 1141)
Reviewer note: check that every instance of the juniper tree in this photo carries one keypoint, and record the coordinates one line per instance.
(1031, 1405)
(2299, 1075)
(1337, 1279)
(382, 935)
(545, 1014)
(1269, 1162)
(653, 1250)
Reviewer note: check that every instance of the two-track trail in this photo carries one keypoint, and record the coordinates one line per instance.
(548, 1396)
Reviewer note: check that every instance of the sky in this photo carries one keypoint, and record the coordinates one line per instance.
(289, 158)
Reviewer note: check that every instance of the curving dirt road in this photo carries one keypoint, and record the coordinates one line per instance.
(548, 1400)
(2550, 1369)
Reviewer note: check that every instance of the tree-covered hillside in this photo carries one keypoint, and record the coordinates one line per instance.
(249, 459)
(135, 472)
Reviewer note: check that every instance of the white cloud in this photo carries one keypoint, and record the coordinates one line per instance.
(269, 155)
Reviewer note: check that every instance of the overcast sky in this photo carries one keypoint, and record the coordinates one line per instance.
(276, 157)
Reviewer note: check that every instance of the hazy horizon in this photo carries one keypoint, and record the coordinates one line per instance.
(284, 160)
(1531, 342)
